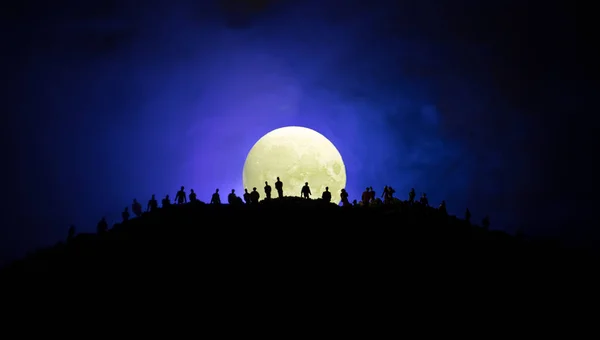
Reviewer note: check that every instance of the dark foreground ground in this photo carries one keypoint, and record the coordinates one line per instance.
(294, 251)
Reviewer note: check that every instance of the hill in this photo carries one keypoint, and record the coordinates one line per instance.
(295, 260)
(288, 264)
(295, 233)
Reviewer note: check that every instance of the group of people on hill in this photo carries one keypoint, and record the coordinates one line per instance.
(368, 198)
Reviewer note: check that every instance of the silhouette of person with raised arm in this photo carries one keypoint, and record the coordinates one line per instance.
(193, 197)
(468, 216)
(125, 214)
(71, 233)
(411, 196)
(305, 191)
(344, 197)
(152, 204)
(366, 197)
(372, 198)
(279, 188)
(216, 198)
(442, 208)
(326, 197)
(166, 202)
(232, 198)
(267, 191)
(180, 197)
(254, 196)
(485, 223)
(247, 198)
(102, 226)
(423, 200)
(136, 207)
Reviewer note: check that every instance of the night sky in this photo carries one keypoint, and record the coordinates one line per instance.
(474, 102)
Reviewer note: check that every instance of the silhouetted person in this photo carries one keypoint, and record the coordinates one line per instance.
(485, 223)
(442, 207)
(279, 188)
(411, 196)
(247, 198)
(254, 196)
(166, 202)
(344, 197)
(180, 197)
(388, 194)
(372, 192)
(136, 207)
(102, 226)
(366, 196)
(232, 198)
(355, 203)
(423, 200)
(193, 197)
(125, 214)
(326, 197)
(384, 194)
(71, 233)
(216, 198)
(468, 216)
(152, 204)
(267, 191)
(305, 191)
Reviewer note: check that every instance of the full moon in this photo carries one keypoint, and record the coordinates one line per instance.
(296, 155)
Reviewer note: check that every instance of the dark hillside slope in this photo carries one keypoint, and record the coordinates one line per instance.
(304, 242)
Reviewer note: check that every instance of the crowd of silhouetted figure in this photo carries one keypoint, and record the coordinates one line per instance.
(142, 230)
(368, 198)
(180, 234)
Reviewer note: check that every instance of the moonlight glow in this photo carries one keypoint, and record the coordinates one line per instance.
(296, 155)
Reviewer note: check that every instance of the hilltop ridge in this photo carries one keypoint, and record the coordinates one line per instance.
(293, 231)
